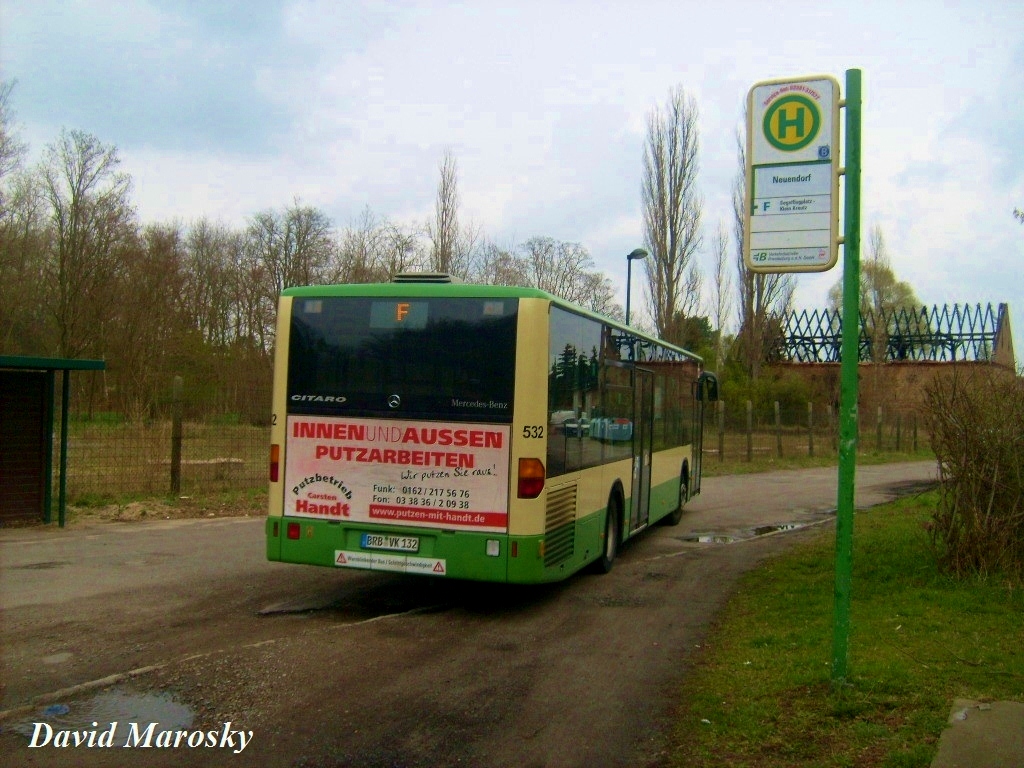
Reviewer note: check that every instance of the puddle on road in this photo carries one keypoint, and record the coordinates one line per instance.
(744, 535)
(57, 658)
(114, 706)
(912, 487)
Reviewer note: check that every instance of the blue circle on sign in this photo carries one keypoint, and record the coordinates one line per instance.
(823, 151)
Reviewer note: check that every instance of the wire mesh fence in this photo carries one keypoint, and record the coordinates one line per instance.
(192, 445)
(125, 459)
(741, 432)
(119, 459)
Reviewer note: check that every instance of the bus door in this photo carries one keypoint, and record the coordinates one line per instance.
(705, 392)
(643, 445)
(697, 441)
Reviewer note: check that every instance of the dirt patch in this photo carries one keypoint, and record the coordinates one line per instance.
(181, 508)
(912, 487)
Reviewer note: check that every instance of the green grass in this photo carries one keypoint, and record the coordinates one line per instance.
(761, 693)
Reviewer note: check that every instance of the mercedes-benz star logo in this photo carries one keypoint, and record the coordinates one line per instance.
(394, 401)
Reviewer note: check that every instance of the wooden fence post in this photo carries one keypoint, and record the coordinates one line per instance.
(778, 429)
(810, 428)
(833, 432)
(721, 430)
(750, 431)
(176, 436)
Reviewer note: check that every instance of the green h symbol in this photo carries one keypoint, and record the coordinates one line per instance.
(792, 112)
(786, 122)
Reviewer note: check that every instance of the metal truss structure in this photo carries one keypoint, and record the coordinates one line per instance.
(939, 334)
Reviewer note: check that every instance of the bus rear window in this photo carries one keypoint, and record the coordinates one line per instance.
(431, 358)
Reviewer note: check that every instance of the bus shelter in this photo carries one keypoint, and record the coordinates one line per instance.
(27, 416)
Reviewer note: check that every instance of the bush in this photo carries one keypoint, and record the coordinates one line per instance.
(790, 390)
(977, 428)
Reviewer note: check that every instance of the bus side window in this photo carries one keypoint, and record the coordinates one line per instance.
(573, 393)
(615, 428)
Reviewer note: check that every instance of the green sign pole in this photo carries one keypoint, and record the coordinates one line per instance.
(65, 389)
(848, 381)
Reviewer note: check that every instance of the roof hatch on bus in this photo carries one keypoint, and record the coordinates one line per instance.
(424, 277)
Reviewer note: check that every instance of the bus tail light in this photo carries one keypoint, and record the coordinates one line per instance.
(531, 478)
(275, 462)
(294, 531)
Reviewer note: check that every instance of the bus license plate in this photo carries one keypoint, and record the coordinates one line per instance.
(392, 543)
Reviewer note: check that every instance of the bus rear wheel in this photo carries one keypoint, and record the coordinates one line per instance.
(611, 538)
(673, 517)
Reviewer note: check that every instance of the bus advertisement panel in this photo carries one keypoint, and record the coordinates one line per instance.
(450, 475)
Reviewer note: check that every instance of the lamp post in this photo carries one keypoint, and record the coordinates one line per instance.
(639, 253)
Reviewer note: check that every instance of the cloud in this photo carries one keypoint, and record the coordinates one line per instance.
(138, 74)
(227, 108)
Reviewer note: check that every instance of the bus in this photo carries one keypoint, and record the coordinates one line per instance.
(428, 426)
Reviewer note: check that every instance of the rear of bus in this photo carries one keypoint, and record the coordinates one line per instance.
(393, 446)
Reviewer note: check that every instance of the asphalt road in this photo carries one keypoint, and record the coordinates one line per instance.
(184, 622)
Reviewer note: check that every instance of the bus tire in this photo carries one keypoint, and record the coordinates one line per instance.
(673, 517)
(612, 536)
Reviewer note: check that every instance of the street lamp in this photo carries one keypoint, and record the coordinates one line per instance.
(639, 253)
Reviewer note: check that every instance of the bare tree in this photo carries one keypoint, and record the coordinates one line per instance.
(452, 243)
(560, 268)
(881, 294)
(721, 290)
(375, 250)
(210, 281)
(445, 227)
(597, 294)
(295, 245)
(12, 149)
(557, 267)
(309, 246)
(283, 249)
(92, 222)
(22, 320)
(763, 298)
(151, 327)
(357, 255)
(500, 266)
(880, 290)
(672, 210)
(254, 305)
(398, 250)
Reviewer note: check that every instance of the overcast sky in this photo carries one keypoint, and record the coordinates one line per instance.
(224, 109)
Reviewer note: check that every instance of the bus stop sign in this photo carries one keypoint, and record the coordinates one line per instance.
(792, 175)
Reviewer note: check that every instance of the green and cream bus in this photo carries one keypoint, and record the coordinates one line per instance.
(474, 432)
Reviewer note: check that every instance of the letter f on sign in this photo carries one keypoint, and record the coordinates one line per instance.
(401, 310)
(766, 205)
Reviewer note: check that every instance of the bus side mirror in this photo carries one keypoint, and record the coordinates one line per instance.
(707, 387)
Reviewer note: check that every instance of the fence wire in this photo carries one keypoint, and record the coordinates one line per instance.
(118, 460)
(741, 432)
